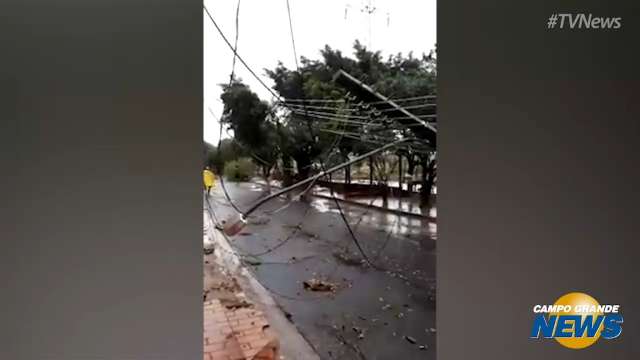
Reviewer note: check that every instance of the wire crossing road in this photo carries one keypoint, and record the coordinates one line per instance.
(372, 313)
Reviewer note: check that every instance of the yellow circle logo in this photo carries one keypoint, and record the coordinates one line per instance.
(582, 305)
(576, 321)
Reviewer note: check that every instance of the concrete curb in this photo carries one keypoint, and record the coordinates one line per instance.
(293, 345)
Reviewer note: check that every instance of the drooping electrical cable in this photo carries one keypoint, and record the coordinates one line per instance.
(313, 136)
(276, 96)
(234, 252)
(235, 53)
(342, 134)
(397, 100)
(231, 78)
(415, 106)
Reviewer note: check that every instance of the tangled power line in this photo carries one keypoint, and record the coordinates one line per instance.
(341, 112)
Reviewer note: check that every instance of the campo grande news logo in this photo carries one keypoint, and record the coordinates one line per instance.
(576, 321)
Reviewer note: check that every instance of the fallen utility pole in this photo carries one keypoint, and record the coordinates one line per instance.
(233, 227)
(321, 174)
(422, 129)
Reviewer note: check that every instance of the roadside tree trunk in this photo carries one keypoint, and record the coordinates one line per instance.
(385, 194)
(266, 175)
(400, 174)
(303, 164)
(370, 170)
(411, 165)
(411, 170)
(428, 180)
(287, 174)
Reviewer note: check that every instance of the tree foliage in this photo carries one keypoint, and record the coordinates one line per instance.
(251, 121)
(273, 133)
(229, 150)
(397, 76)
(239, 170)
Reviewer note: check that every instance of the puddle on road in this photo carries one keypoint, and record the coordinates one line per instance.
(256, 188)
(406, 204)
(320, 205)
(325, 206)
(433, 230)
(387, 222)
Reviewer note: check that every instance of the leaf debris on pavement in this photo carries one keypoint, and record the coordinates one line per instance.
(318, 285)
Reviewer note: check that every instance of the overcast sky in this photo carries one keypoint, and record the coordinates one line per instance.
(264, 38)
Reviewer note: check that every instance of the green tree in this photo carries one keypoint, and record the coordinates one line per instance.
(251, 120)
(229, 150)
(398, 77)
(239, 170)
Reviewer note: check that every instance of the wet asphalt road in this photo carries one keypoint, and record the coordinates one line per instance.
(373, 311)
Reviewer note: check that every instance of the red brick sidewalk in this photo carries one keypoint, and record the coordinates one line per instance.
(237, 334)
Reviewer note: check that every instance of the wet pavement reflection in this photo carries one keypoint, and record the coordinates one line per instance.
(372, 309)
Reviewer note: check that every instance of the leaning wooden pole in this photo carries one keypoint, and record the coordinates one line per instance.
(321, 174)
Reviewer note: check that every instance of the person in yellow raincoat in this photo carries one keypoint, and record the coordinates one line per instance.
(209, 179)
